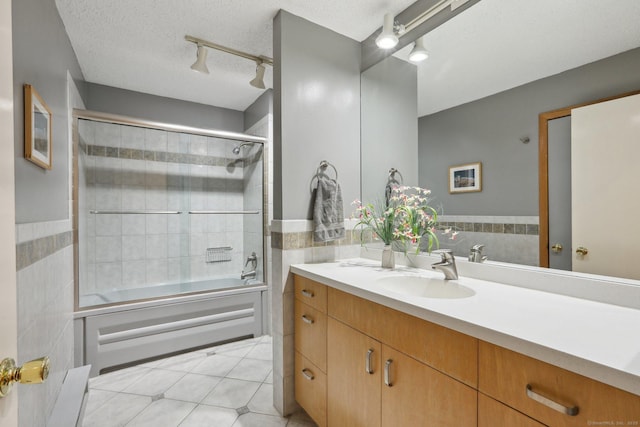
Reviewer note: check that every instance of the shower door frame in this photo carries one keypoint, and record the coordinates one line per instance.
(96, 116)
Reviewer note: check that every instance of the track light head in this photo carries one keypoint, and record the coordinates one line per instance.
(201, 62)
(418, 53)
(258, 81)
(387, 38)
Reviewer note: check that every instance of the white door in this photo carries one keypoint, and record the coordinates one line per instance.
(605, 158)
(8, 312)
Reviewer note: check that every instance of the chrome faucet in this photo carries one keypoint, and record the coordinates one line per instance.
(476, 254)
(253, 259)
(447, 264)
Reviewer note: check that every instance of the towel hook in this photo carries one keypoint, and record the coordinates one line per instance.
(321, 169)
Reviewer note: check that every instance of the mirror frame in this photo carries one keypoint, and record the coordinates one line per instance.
(543, 167)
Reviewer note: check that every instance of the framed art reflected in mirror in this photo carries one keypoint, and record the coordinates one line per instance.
(37, 129)
(465, 178)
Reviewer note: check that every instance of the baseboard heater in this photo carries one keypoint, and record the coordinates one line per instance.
(130, 335)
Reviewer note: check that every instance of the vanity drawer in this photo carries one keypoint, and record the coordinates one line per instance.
(451, 352)
(311, 334)
(311, 389)
(492, 413)
(521, 382)
(311, 293)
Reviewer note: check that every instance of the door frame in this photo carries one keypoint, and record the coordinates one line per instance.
(543, 167)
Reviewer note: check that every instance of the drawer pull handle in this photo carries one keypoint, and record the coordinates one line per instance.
(308, 374)
(307, 319)
(387, 373)
(568, 410)
(307, 293)
(367, 364)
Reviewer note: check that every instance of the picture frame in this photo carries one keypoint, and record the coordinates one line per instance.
(465, 178)
(37, 129)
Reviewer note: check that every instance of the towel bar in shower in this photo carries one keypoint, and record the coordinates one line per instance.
(223, 212)
(135, 212)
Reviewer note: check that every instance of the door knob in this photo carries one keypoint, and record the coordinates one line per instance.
(557, 248)
(33, 372)
(582, 251)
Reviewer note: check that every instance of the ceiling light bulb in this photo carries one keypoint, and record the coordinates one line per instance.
(258, 81)
(387, 38)
(201, 62)
(418, 53)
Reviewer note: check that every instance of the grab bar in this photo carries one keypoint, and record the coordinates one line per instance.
(135, 212)
(223, 212)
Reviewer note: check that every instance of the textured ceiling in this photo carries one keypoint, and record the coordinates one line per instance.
(493, 46)
(497, 45)
(139, 45)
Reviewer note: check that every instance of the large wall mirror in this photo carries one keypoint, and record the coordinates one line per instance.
(491, 72)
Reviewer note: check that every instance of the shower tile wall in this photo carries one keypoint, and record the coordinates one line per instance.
(132, 168)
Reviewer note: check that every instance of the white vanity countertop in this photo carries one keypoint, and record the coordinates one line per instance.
(597, 340)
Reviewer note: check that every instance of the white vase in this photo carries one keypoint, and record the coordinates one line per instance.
(388, 257)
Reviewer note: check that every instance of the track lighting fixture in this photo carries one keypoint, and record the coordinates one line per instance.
(418, 53)
(387, 38)
(201, 66)
(201, 61)
(258, 81)
(391, 30)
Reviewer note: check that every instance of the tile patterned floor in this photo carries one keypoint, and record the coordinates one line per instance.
(224, 386)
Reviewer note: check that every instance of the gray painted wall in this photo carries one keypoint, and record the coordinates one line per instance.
(316, 112)
(389, 130)
(260, 108)
(488, 130)
(42, 54)
(125, 102)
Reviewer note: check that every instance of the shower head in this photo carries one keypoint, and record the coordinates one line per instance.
(236, 149)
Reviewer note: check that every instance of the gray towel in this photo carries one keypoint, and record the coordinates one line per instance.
(328, 214)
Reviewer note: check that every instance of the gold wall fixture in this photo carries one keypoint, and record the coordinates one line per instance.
(33, 372)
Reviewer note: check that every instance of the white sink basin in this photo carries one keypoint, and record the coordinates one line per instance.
(425, 287)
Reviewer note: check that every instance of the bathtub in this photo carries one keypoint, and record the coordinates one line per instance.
(171, 318)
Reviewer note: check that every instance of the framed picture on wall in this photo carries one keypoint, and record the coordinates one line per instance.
(465, 178)
(37, 129)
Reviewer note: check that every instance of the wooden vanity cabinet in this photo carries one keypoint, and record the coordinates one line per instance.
(545, 392)
(381, 367)
(373, 366)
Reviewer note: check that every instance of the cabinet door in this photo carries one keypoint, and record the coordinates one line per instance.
(415, 394)
(353, 380)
